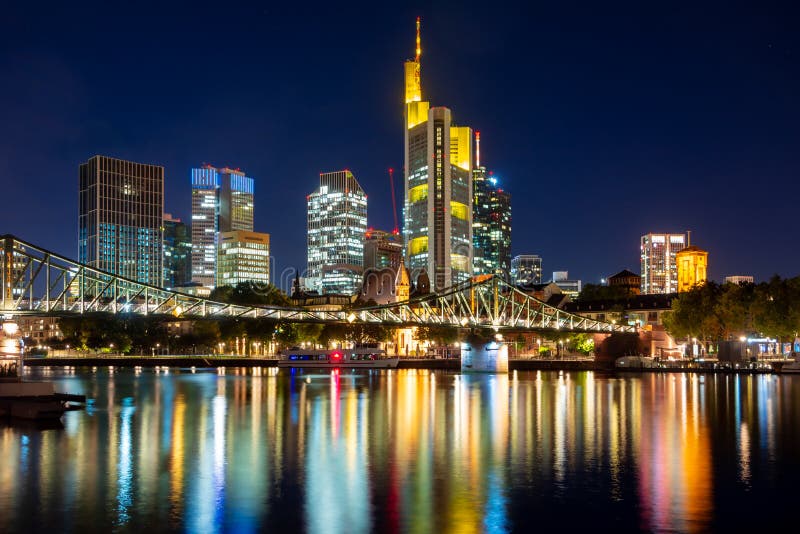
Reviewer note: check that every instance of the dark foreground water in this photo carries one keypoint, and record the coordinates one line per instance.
(403, 451)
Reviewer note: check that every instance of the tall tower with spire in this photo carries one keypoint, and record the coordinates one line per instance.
(438, 186)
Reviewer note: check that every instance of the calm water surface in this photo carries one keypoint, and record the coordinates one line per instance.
(418, 451)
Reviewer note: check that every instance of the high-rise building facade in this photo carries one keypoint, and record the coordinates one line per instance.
(491, 221)
(337, 224)
(659, 267)
(242, 257)
(382, 249)
(121, 204)
(177, 252)
(692, 267)
(526, 269)
(222, 201)
(438, 187)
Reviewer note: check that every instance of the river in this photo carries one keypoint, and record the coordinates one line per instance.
(406, 451)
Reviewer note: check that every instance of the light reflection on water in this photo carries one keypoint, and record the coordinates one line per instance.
(410, 451)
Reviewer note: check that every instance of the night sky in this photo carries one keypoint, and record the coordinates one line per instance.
(604, 121)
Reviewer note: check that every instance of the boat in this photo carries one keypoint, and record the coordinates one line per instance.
(36, 401)
(791, 367)
(635, 362)
(357, 358)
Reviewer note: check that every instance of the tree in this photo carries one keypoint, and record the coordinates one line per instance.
(695, 314)
(441, 335)
(250, 293)
(308, 332)
(596, 292)
(582, 343)
(776, 308)
(733, 308)
(205, 335)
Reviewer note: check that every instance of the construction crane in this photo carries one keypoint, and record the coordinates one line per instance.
(394, 201)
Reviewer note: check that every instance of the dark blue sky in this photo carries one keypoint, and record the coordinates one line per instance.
(605, 121)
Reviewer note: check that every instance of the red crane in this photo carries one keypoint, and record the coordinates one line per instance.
(394, 202)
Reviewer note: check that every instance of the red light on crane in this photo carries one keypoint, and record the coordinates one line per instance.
(394, 202)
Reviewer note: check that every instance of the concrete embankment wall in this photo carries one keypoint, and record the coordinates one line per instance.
(453, 364)
(198, 361)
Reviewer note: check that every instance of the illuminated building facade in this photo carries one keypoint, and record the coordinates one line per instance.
(382, 249)
(242, 257)
(222, 201)
(337, 225)
(568, 286)
(692, 267)
(121, 204)
(526, 269)
(739, 279)
(659, 265)
(177, 252)
(491, 221)
(438, 187)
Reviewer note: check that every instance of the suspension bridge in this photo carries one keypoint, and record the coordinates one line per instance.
(36, 281)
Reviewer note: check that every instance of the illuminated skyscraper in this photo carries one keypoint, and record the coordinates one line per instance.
(337, 224)
(177, 252)
(526, 269)
(120, 217)
(222, 201)
(491, 221)
(242, 257)
(659, 267)
(438, 187)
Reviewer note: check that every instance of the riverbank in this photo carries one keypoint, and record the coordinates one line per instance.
(410, 363)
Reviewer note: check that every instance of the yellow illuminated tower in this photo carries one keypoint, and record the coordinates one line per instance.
(437, 214)
(692, 266)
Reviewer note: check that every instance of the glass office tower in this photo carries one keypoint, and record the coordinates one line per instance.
(437, 215)
(222, 201)
(121, 205)
(337, 224)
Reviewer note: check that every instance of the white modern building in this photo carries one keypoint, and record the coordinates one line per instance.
(242, 257)
(659, 265)
(337, 225)
(739, 279)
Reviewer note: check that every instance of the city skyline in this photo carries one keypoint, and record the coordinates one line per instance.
(640, 134)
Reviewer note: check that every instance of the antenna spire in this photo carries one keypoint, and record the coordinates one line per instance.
(419, 44)
(477, 148)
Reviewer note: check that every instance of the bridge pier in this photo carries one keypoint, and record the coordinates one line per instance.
(484, 357)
